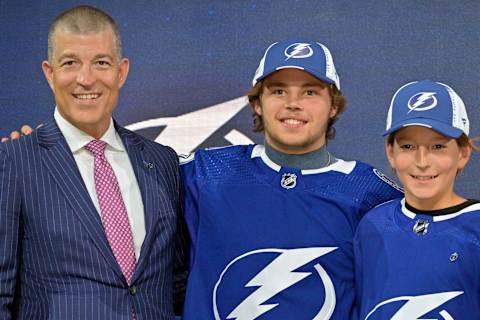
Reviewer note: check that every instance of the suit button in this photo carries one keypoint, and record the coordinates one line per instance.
(132, 290)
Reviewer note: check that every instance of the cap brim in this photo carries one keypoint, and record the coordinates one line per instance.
(308, 70)
(440, 127)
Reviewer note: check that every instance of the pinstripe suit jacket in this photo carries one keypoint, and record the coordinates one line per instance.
(55, 260)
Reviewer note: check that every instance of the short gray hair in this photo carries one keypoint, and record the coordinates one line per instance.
(84, 20)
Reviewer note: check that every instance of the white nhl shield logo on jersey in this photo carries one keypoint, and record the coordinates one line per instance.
(289, 180)
(420, 227)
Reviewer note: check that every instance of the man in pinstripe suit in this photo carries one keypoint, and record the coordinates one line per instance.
(57, 258)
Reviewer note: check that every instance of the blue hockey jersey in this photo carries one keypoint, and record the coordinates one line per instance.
(271, 242)
(418, 266)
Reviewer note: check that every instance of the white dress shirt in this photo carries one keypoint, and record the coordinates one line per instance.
(118, 158)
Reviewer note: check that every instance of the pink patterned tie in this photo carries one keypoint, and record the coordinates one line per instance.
(114, 214)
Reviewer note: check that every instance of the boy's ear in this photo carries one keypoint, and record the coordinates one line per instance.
(389, 153)
(257, 106)
(464, 156)
(333, 111)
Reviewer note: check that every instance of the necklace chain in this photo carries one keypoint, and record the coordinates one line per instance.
(329, 159)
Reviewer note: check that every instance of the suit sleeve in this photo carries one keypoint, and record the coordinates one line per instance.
(9, 233)
(182, 243)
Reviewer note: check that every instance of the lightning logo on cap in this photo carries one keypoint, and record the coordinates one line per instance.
(298, 51)
(422, 101)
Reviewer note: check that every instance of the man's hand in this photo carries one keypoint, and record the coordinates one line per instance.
(25, 130)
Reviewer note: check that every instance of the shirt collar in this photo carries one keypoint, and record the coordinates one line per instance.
(446, 213)
(77, 139)
(339, 165)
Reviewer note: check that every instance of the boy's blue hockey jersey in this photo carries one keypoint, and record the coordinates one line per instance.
(416, 266)
(271, 242)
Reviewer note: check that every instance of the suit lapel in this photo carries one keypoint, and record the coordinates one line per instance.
(144, 167)
(59, 161)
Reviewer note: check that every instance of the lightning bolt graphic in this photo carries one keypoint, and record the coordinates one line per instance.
(298, 48)
(274, 278)
(421, 99)
(419, 305)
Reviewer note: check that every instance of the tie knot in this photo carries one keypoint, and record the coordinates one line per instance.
(97, 147)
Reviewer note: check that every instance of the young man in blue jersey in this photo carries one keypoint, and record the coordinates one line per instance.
(272, 225)
(419, 257)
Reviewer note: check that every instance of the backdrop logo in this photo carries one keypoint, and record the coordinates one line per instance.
(414, 307)
(422, 101)
(186, 132)
(298, 51)
(277, 276)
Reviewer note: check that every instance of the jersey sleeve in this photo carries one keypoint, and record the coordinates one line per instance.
(381, 189)
(358, 267)
(363, 264)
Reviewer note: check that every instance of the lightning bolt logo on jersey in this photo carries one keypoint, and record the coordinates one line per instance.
(277, 276)
(261, 251)
(415, 307)
(404, 272)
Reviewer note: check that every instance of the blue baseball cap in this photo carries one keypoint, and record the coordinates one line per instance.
(430, 104)
(312, 57)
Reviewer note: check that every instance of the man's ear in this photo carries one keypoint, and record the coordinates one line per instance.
(48, 73)
(123, 68)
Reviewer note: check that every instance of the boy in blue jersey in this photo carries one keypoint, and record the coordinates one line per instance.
(419, 257)
(272, 225)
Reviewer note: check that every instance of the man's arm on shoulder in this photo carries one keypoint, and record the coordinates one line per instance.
(10, 234)
(25, 130)
(182, 245)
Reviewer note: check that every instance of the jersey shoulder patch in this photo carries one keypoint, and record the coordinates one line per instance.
(364, 187)
(386, 179)
(232, 163)
(209, 153)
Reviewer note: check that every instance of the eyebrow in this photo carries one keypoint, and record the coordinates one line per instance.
(66, 56)
(74, 56)
(433, 140)
(308, 84)
(102, 56)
